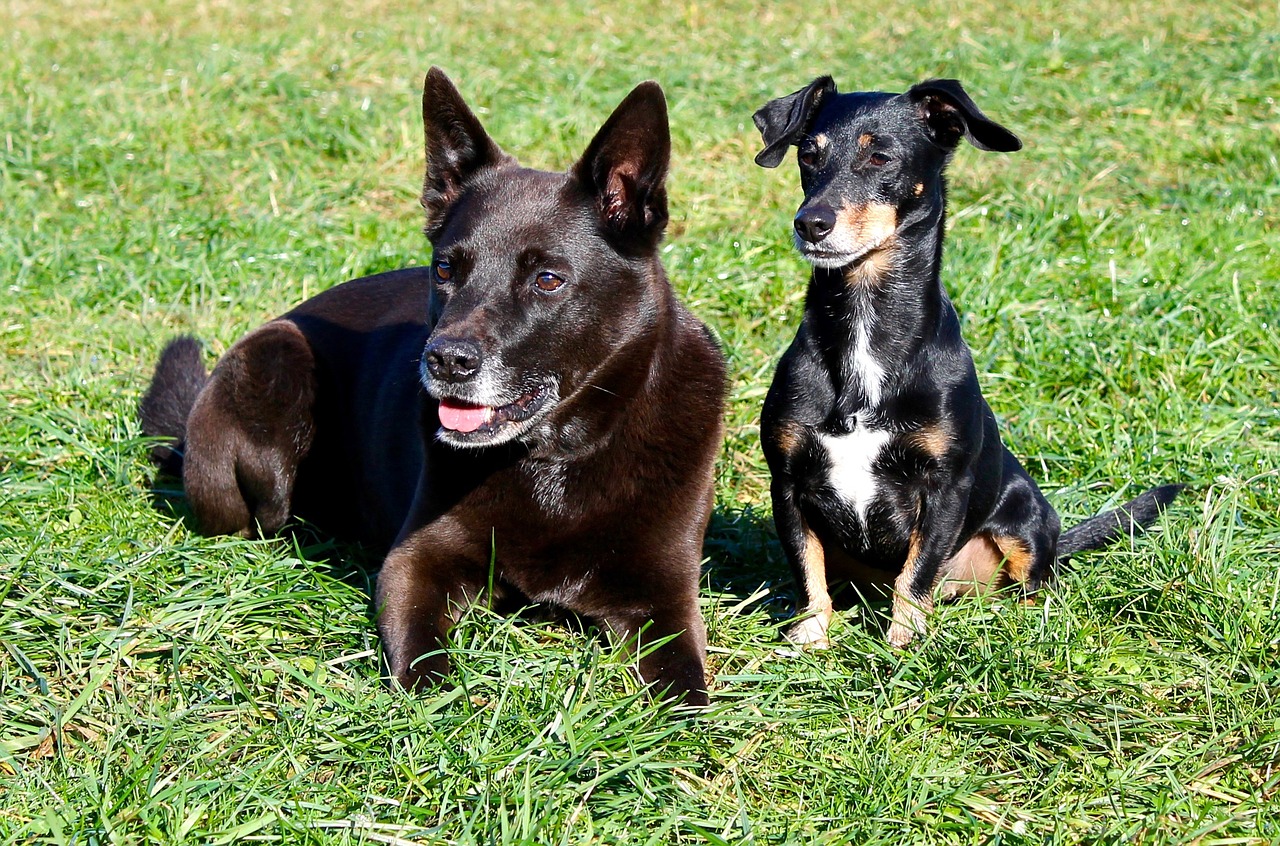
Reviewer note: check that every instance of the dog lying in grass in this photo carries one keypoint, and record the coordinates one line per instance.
(533, 415)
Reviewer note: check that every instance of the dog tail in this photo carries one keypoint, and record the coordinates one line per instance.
(179, 376)
(1110, 526)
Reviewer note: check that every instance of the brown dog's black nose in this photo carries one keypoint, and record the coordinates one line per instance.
(452, 359)
(813, 223)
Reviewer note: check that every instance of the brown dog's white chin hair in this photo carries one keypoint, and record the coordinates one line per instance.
(502, 423)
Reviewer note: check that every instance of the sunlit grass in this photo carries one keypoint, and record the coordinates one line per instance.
(201, 166)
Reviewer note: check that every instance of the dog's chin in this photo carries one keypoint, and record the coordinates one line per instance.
(826, 258)
(487, 426)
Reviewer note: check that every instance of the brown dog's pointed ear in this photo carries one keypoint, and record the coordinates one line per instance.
(625, 167)
(950, 115)
(782, 121)
(457, 147)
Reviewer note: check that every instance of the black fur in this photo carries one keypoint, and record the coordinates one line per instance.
(179, 377)
(1111, 526)
(887, 463)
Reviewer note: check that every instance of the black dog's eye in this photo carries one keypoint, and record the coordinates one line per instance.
(878, 160)
(808, 158)
(444, 270)
(548, 281)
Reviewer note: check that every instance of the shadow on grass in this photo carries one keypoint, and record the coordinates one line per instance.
(745, 562)
(346, 561)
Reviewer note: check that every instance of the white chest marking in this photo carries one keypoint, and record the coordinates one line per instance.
(870, 372)
(852, 456)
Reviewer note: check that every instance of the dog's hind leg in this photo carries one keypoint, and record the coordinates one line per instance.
(250, 428)
(1025, 528)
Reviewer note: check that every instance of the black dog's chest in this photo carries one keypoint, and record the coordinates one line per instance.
(858, 489)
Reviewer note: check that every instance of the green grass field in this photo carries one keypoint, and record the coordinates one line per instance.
(199, 167)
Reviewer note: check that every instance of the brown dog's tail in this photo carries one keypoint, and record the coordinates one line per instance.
(1110, 526)
(179, 376)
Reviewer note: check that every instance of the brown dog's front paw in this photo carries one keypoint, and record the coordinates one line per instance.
(675, 679)
(693, 698)
(421, 674)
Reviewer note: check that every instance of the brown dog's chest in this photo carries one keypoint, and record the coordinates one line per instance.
(552, 530)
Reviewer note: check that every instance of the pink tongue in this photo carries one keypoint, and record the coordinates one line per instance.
(463, 417)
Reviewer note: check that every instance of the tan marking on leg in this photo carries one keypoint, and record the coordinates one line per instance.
(786, 436)
(811, 631)
(909, 612)
(976, 568)
(1017, 556)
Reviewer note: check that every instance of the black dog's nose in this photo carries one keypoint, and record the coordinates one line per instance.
(452, 359)
(813, 223)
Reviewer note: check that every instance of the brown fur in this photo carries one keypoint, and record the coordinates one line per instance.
(334, 412)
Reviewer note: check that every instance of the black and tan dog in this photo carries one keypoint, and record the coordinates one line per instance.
(534, 413)
(887, 464)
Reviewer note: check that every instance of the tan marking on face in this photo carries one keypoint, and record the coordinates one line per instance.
(872, 269)
(919, 189)
(812, 630)
(865, 139)
(1017, 556)
(822, 140)
(975, 569)
(871, 228)
(909, 610)
(932, 439)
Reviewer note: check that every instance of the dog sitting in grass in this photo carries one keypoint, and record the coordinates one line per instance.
(888, 468)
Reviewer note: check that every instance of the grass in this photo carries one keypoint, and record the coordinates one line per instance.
(200, 166)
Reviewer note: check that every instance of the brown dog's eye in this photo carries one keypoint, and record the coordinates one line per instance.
(878, 160)
(444, 270)
(808, 158)
(547, 281)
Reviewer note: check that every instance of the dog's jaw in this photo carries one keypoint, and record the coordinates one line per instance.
(824, 257)
(506, 419)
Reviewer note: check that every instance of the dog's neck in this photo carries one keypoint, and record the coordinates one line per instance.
(871, 318)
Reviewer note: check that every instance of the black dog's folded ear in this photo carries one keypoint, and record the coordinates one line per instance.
(782, 121)
(457, 147)
(950, 114)
(625, 167)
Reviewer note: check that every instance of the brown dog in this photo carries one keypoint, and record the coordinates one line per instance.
(534, 412)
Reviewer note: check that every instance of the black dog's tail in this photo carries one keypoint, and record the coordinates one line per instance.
(179, 376)
(1110, 526)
